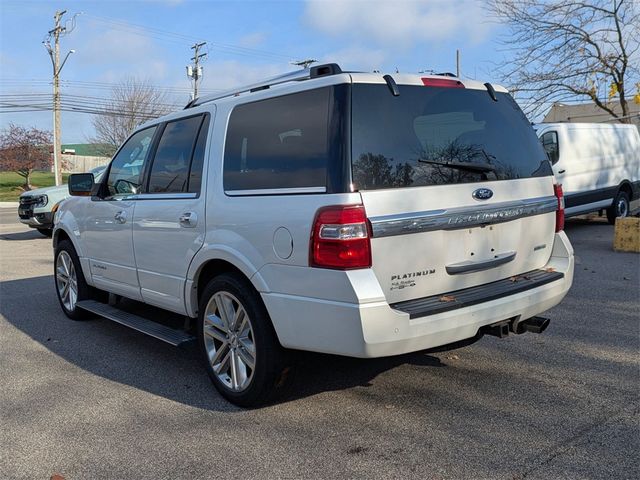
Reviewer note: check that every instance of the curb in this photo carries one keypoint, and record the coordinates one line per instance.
(8, 204)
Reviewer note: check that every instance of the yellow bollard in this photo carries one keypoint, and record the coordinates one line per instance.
(626, 237)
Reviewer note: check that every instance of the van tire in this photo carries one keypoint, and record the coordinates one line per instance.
(66, 266)
(619, 208)
(273, 367)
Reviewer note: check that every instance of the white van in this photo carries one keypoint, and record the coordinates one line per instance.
(597, 164)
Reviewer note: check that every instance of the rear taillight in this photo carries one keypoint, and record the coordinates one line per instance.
(340, 238)
(441, 82)
(557, 190)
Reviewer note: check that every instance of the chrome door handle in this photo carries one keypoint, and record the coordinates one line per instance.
(121, 216)
(188, 219)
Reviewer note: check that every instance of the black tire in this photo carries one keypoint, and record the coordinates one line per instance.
(83, 290)
(273, 364)
(47, 232)
(619, 208)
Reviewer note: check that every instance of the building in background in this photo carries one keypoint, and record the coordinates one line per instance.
(82, 157)
(589, 113)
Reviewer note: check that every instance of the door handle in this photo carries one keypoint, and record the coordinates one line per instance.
(188, 219)
(468, 267)
(121, 216)
(561, 171)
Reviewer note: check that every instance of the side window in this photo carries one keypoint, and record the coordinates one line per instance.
(278, 143)
(171, 163)
(125, 173)
(195, 172)
(550, 144)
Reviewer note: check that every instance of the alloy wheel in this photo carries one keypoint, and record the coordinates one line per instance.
(229, 341)
(66, 281)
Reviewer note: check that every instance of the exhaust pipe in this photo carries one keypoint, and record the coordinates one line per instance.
(533, 325)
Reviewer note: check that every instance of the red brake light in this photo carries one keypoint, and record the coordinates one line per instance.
(441, 82)
(340, 238)
(557, 190)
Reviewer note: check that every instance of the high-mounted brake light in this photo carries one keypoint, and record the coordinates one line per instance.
(340, 238)
(441, 82)
(557, 190)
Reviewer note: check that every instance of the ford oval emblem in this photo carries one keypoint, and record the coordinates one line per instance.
(482, 194)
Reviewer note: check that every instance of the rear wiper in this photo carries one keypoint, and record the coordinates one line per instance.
(471, 167)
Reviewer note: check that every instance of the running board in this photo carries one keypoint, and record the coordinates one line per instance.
(153, 329)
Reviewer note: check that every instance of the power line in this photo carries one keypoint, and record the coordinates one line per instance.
(21, 108)
(94, 84)
(173, 37)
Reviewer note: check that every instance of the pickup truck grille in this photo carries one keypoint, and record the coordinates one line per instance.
(28, 201)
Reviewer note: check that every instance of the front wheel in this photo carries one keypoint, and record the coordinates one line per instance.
(47, 232)
(619, 208)
(238, 344)
(71, 286)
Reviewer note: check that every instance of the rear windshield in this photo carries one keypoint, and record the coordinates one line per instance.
(438, 136)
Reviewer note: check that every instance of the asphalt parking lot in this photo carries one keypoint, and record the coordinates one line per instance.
(96, 400)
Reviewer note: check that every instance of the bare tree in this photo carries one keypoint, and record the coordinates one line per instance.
(24, 150)
(563, 50)
(132, 102)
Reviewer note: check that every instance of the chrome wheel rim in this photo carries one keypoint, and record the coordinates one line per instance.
(229, 341)
(67, 281)
(622, 208)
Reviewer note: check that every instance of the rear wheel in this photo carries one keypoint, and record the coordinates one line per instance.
(47, 232)
(71, 286)
(237, 342)
(619, 208)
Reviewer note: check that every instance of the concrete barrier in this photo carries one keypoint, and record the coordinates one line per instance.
(626, 237)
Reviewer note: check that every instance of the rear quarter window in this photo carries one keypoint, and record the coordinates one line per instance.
(279, 143)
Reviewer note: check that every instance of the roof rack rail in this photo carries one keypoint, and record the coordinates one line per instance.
(299, 75)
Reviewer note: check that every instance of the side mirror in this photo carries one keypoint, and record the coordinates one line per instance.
(81, 184)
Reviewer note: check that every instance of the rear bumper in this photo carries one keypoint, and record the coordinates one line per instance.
(377, 330)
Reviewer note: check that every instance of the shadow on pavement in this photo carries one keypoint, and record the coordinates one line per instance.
(123, 355)
(29, 235)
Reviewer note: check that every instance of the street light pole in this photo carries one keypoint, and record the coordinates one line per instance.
(54, 53)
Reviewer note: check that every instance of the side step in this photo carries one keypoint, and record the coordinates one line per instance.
(153, 329)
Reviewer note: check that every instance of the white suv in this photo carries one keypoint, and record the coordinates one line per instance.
(348, 213)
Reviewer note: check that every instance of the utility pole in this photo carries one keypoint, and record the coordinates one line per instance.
(57, 31)
(195, 71)
(457, 63)
(305, 63)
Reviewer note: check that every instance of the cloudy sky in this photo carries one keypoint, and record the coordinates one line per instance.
(246, 41)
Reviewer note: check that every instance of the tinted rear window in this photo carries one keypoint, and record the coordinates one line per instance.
(281, 142)
(403, 141)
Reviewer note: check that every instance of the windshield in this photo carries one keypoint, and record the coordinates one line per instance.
(438, 136)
